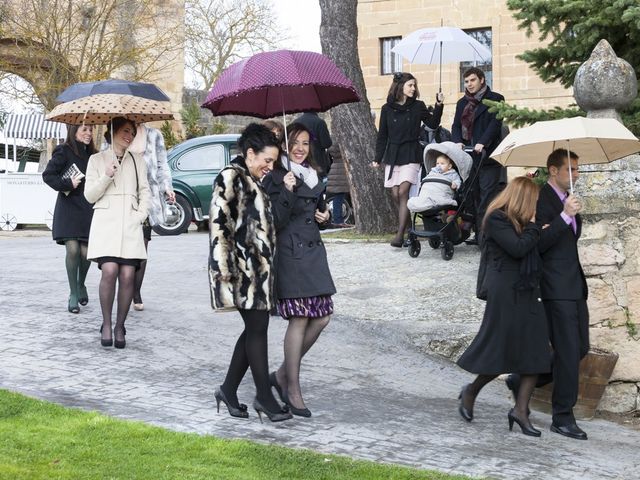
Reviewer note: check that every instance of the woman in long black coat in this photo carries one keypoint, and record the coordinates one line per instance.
(72, 215)
(303, 281)
(398, 143)
(513, 336)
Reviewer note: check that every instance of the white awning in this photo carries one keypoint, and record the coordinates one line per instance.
(34, 126)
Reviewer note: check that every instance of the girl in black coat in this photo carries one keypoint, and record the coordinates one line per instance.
(72, 215)
(303, 281)
(513, 336)
(398, 144)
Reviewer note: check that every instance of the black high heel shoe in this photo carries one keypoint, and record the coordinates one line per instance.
(526, 429)
(73, 307)
(273, 416)
(273, 380)
(83, 297)
(464, 413)
(105, 342)
(301, 412)
(120, 343)
(239, 412)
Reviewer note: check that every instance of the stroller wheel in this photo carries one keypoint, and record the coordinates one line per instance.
(434, 242)
(447, 250)
(414, 248)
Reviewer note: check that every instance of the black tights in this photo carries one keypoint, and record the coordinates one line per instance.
(527, 384)
(77, 268)
(302, 333)
(124, 275)
(251, 350)
(137, 297)
(400, 194)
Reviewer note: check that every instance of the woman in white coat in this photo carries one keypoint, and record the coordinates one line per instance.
(117, 184)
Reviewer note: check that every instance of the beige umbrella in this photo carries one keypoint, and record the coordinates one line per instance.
(594, 140)
(100, 109)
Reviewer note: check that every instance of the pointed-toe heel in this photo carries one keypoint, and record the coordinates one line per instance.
(120, 343)
(83, 297)
(273, 380)
(273, 416)
(527, 429)
(466, 414)
(105, 342)
(239, 412)
(300, 412)
(73, 305)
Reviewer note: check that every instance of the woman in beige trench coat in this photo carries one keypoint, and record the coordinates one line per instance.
(117, 185)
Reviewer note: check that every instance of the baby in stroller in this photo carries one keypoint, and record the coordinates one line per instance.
(439, 186)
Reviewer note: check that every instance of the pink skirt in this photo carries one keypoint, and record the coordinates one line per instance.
(403, 173)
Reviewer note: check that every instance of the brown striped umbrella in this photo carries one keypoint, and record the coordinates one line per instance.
(100, 109)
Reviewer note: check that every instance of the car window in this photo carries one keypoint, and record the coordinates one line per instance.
(206, 157)
(234, 150)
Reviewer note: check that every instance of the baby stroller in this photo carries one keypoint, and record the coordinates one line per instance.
(450, 224)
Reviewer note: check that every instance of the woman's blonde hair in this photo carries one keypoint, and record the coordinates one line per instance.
(517, 201)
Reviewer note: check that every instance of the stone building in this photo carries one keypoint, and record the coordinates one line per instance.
(381, 23)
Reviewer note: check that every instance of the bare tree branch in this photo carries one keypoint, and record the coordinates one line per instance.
(220, 32)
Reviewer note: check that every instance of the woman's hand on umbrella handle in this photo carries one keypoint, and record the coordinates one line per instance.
(290, 181)
(110, 170)
(440, 98)
(375, 164)
(478, 148)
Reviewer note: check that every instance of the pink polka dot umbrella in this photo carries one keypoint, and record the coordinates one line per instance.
(275, 83)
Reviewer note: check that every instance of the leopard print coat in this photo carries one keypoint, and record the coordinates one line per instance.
(241, 242)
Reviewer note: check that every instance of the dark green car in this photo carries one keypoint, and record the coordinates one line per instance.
(194, 165)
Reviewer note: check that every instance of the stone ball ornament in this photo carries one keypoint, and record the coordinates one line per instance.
(605, 81)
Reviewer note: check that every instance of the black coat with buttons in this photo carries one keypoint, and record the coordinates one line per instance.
(513, 336)
(398, 141)
(301, 266)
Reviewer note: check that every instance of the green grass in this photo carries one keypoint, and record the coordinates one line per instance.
(40, 440)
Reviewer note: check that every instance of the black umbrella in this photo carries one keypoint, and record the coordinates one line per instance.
(112, 86)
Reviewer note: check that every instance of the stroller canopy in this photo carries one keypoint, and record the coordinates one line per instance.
(458, 156)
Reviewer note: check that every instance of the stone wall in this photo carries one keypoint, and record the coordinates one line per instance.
(610, 254)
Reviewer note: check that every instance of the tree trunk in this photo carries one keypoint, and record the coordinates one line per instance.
(352, 126)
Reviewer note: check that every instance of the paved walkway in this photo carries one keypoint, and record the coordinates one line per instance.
(373, 393)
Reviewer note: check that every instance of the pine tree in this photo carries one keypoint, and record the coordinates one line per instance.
(572, 29)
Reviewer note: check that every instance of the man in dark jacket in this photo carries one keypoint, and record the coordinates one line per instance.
(564, 290)
(320, 139)
(477, 129)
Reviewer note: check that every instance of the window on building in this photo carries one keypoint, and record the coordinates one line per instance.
(482, 35)
(389, 61)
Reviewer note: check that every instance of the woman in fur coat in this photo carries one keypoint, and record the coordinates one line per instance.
(241, 247)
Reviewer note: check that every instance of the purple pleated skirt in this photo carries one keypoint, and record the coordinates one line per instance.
(310, 307)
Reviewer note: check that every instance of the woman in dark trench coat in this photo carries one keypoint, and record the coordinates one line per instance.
(73, 213)
(303, 282)
(513, 335)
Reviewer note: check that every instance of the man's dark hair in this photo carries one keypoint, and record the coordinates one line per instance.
(556, 158)
(257, 137)
(479, 73)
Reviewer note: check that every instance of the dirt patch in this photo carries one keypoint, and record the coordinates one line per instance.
(631, 419)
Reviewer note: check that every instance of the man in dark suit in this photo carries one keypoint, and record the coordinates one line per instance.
(564, 290)
(320, 139)
(474, 127)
